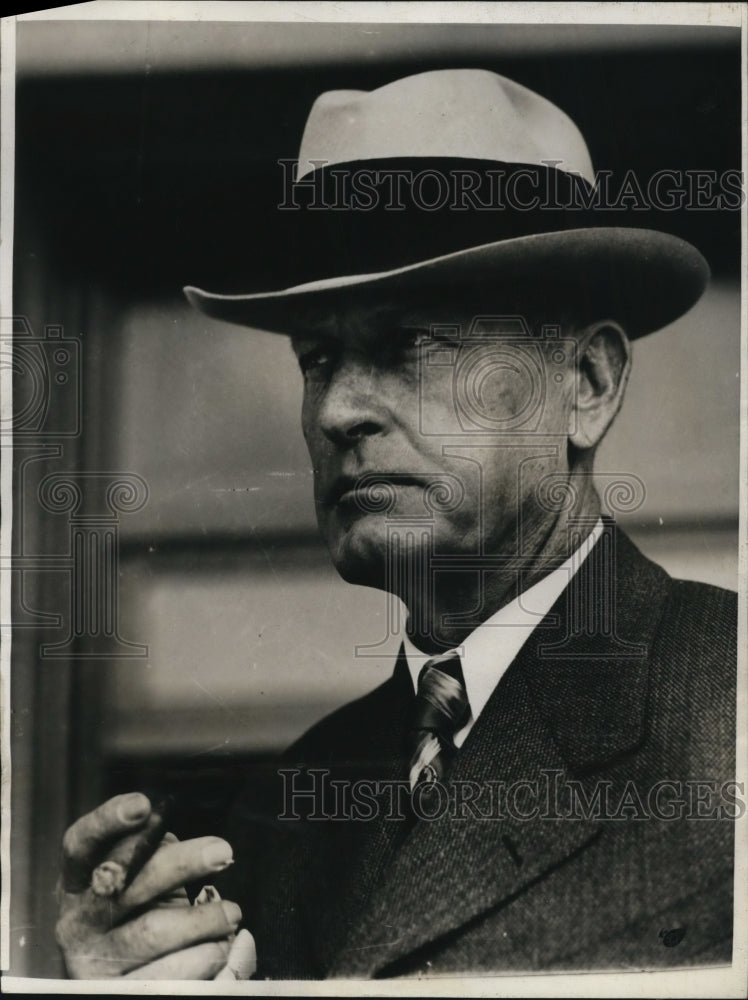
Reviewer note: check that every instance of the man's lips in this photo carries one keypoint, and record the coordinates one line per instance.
(370, 489)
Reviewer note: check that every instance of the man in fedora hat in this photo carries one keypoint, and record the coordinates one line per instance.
(545, 780)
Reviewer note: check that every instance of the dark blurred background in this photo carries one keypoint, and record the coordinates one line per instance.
(146, 159)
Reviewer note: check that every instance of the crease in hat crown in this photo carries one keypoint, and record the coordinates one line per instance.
(451, 113)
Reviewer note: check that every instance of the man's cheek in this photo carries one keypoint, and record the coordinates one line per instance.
(310, 421)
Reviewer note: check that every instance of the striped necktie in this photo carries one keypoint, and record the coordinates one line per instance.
(441, 710)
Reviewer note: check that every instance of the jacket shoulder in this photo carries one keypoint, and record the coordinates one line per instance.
(701, 621)
(706, 596)
(354, 727)
(697, 621)
(694, 678)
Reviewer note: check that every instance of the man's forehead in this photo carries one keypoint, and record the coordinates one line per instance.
(366, 321)
(350, 321)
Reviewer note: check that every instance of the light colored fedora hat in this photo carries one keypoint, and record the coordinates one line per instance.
(475, 134)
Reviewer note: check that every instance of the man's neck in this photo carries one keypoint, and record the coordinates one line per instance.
(441, 616)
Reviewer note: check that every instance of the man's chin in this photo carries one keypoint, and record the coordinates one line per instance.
(359, 549)
(360, 558)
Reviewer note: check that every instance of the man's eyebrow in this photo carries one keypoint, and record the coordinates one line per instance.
(411, 324)
(436, 331)
(299, 342)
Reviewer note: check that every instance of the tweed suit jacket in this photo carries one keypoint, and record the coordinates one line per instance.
(611, 736)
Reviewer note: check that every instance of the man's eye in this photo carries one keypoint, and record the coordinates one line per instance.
(413, 338)
(315, 359)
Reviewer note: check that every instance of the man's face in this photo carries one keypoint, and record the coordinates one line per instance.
(431, 432)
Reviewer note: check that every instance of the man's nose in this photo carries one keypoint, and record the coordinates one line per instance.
(353, 406)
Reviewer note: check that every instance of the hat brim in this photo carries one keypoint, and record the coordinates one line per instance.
(641, 278)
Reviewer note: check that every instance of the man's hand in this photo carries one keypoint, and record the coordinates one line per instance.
(123, 907)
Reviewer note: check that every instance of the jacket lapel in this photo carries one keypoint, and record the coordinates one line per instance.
(587, 664)
(450, 870)
(362, 850)
(573, 701)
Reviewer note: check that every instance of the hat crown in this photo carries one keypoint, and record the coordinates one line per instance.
(456, 113)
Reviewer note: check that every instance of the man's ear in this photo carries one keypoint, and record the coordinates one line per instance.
(603, 366)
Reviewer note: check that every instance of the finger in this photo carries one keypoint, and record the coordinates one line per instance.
(127, 856)
(173, 865)
(242, 959)
(85, 911)
(201, 961)
(84, 914)
(178, 897)
(86, 842)
(162, 931)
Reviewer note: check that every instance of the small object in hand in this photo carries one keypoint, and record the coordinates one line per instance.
(108, 879)
(208, 894)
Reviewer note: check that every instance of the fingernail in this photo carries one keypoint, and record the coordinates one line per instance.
(232, 913)
(133, 808)
(217, 855)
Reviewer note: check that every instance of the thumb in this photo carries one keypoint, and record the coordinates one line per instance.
(242, 959)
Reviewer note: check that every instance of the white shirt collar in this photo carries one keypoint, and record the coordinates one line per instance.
(489, 650)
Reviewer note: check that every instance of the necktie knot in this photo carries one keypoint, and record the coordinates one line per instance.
(441, 710)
